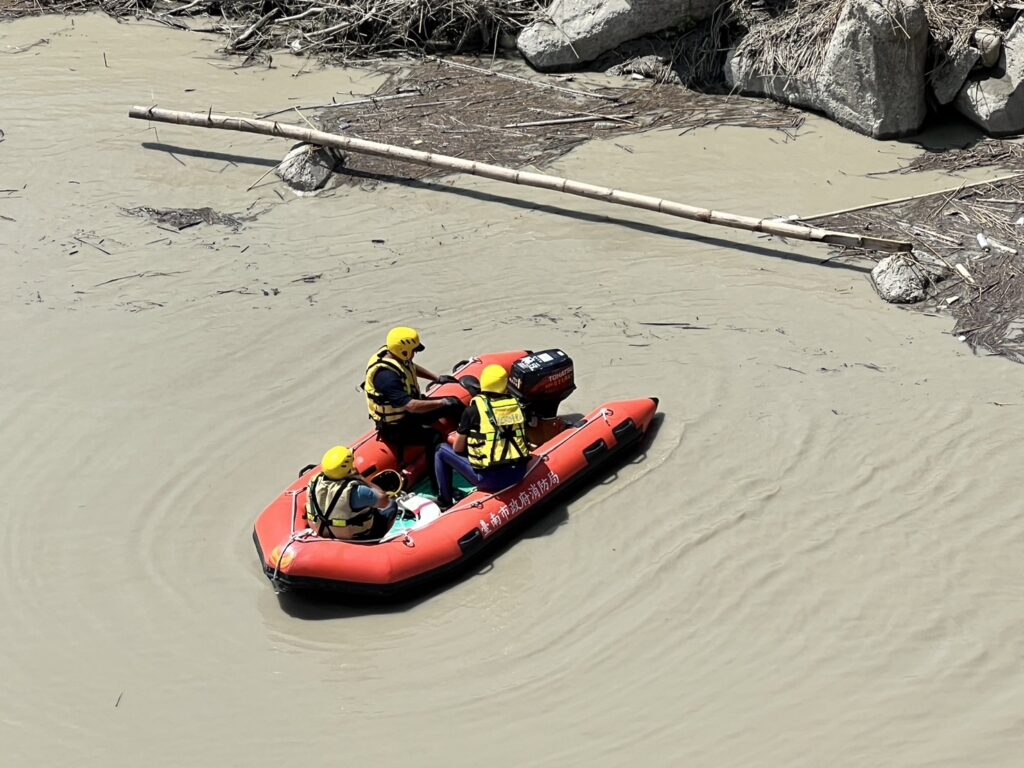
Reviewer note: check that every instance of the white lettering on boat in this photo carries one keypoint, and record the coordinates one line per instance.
(513, 506)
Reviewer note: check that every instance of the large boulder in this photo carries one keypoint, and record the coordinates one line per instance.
(872, 79)
(996, 104)
(574, 32)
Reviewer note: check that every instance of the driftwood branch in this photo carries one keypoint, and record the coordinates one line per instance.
(339, 105)
(568, 120)
(516, 78)
(894, 201)
(261, 22)
(181, 8)
(498, 173)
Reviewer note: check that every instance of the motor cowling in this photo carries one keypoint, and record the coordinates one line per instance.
(541, 381)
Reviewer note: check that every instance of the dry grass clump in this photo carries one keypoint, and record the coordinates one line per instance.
(341, 29)
(791, 37)
(358, 28)
(786, 37)
(952, 22)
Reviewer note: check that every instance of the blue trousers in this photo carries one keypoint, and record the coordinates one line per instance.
(446, 460)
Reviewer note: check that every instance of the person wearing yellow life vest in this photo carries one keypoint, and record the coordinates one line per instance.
(492, 432)
(341, 504)
(401, 414)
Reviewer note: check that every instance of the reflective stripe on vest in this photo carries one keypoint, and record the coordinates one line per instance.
(381, 411)
(502, 436)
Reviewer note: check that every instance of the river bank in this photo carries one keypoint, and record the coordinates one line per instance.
(814, 560)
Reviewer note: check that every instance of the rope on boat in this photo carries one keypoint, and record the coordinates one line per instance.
(292, 538)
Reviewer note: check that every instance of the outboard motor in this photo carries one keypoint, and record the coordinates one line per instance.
(541, 381)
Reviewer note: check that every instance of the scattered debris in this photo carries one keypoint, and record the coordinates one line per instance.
(982, 289)
(136, 275)
(683, 326)
(987, 152)
(93, 245)
(183, 218)
(466, 112)
(657, 68)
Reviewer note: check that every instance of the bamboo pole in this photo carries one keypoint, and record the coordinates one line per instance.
(498, 173)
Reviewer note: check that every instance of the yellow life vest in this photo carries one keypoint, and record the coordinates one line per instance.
(502, 436)
(381, 411)
(329, 508)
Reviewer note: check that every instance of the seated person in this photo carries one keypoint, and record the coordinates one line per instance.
(493, 431)
(343, 505)
(402, 416)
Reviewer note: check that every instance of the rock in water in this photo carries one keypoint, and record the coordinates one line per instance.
(898, 280)
(307, 167)
(872, 79)
(996, 104)
(577, 31)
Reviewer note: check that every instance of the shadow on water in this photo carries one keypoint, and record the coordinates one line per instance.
(206, 155)
(490, 197)
(594, 218)
(324, 606)
(945, 131)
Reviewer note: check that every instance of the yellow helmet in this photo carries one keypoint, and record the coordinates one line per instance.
(404, 342)
(494, 379)
(337, 463)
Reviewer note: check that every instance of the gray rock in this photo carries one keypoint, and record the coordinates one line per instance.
(872, 79)
(742, 75)
(989, 43)
(308, 167)
(898, 280)
(577, 31)
(996, 104)
(949, 77)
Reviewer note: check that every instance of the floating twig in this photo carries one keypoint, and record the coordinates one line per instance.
(567, 120)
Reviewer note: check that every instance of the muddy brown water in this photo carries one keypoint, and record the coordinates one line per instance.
(815, 562)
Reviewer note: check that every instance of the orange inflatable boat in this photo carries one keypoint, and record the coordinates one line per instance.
(425, 543)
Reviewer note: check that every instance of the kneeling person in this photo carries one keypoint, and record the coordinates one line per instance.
(493, 431)
(343, 505)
